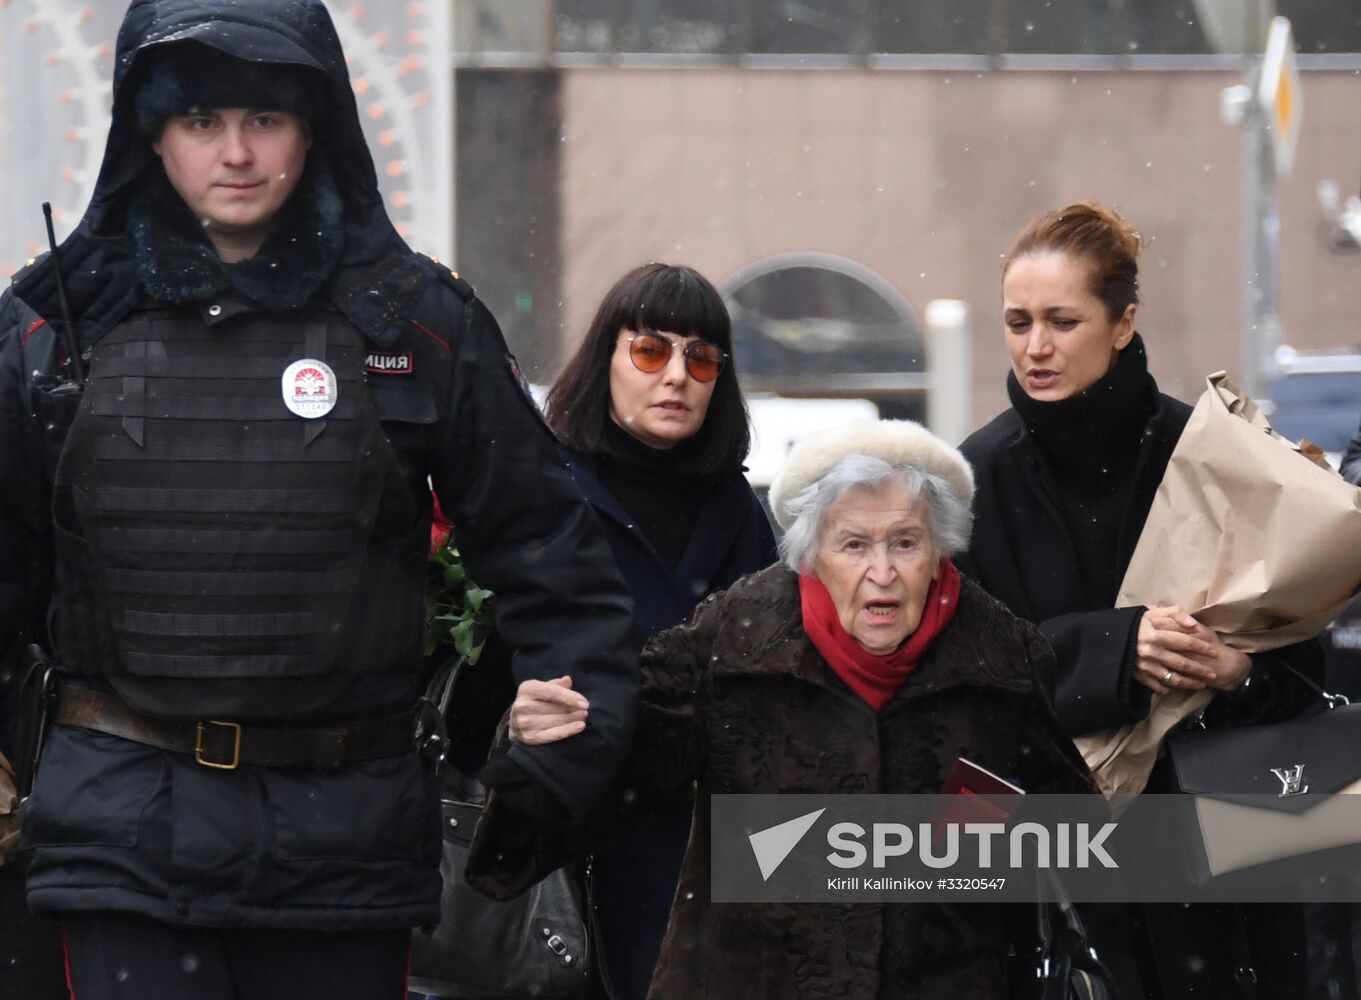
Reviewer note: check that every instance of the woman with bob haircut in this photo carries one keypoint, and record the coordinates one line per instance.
(1066, 477)
(654, 430)
(862, 663)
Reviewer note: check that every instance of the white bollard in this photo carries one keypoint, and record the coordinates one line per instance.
(950, 354)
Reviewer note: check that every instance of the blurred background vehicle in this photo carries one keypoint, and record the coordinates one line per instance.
(1316, 396)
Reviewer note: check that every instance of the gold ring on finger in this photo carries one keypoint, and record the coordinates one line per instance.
(1167, 677)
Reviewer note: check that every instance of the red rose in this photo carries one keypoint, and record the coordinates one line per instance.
(440, 527)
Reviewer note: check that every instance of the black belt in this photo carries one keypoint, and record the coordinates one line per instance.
(228, 745)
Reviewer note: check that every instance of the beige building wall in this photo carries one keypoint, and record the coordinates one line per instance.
(925, 176)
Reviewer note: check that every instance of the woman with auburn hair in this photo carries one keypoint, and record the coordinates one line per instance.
(1066, 477)
(655, 431)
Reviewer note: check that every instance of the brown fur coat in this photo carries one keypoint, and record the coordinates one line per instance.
(740, 701)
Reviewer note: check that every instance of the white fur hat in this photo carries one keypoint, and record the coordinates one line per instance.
(899, 442)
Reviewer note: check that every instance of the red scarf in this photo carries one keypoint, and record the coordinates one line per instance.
(876, 678)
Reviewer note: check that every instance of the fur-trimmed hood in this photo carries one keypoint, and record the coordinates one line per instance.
(103, 280)
(901, 443)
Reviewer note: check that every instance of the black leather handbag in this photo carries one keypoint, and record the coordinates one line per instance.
(1055, 960)
(1269, 793)
(534, 945)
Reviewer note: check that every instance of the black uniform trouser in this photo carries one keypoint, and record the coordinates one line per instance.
(118, 956)
(30, 947)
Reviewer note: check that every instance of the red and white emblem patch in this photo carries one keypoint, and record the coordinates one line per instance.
(309, 388)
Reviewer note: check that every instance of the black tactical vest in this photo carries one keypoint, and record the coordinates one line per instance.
(209, 539)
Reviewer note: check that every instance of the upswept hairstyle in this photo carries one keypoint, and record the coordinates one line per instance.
(660, 297)
(1096, 235)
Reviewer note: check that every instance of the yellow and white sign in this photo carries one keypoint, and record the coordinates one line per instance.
(1279, 94)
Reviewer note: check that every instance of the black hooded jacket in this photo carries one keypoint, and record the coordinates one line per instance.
(357, 848)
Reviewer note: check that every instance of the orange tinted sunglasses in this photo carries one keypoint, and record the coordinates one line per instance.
(651, 352)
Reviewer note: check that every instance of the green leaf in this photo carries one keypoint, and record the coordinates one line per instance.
(458, 612)
(462, 634)
(475, 652)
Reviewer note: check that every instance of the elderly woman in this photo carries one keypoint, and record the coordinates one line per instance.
(863, 663)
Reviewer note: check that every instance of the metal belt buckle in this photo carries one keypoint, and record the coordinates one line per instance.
(236, 750)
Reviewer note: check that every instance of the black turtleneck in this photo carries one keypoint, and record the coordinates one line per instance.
(1090, 445)
(660, 489)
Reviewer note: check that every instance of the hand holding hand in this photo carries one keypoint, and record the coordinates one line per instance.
(1231, 665)
(547, 711)
(1175, 652)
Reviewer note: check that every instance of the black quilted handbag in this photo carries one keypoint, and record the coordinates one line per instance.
(534, 945)
(1055, 960)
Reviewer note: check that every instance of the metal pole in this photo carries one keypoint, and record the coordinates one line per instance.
(1269, 321)
(1261, 246)
(997, 31)
(949, 341)
(1254, 188)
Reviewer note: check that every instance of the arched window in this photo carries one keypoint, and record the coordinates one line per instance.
(818, 325)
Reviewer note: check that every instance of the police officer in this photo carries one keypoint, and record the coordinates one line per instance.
(221, 532)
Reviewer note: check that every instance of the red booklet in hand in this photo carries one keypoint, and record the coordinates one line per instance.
(978, 796)
(968, 778)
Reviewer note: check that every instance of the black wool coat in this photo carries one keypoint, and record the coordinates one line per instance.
(635, 878)
(739, 700)
(731, 538)
(1022, 552)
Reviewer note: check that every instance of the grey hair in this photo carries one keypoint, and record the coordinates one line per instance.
(948, 518)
